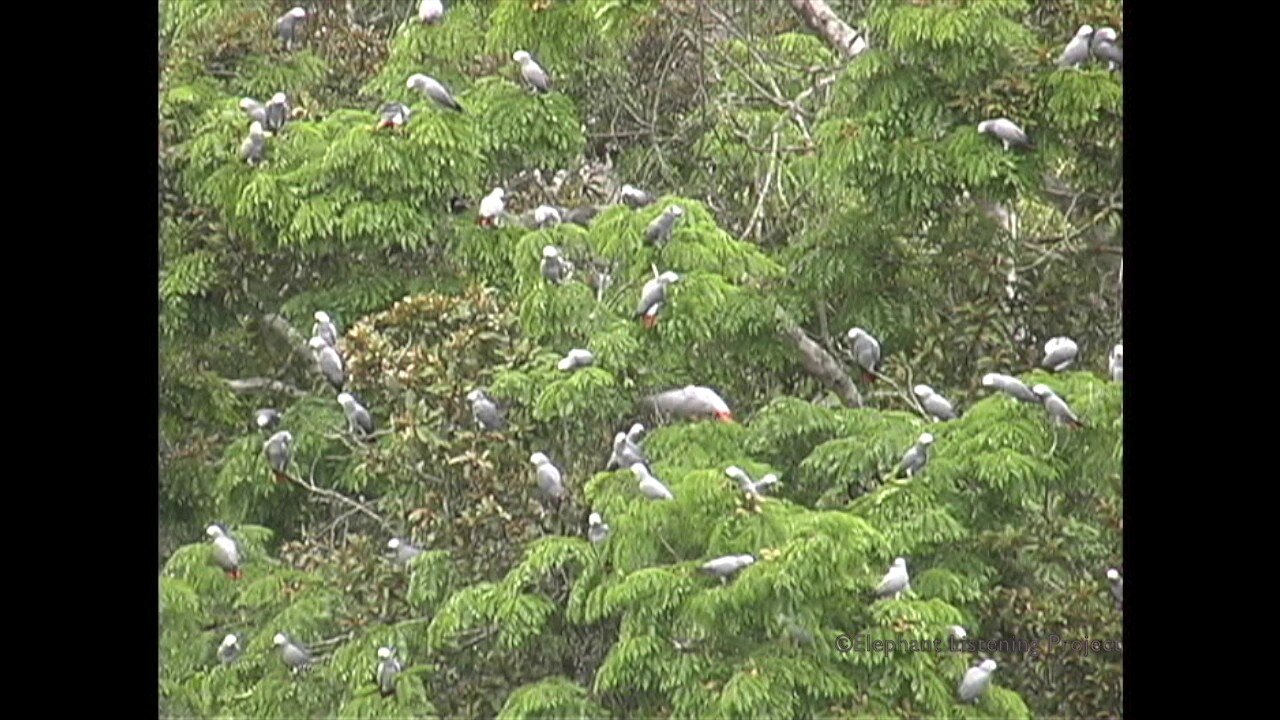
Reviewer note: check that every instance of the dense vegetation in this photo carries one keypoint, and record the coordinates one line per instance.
(821, 192)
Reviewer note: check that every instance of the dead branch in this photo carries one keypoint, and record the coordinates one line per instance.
(819, 363)
(260, 384)
(838, 34)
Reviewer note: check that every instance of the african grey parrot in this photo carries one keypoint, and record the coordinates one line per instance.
(659, 231)
(226, 551)
(254, 147)
(625, 453)
(1010, 386)
(745, 482)
(277, 112)
(359, 421)
(635, 198)
(404, 551)
(582, 215)
(325, 329)
(287, 26)
(975, 681)
(486, 411)
(634, 433)
(957, 632)
(491, 207)
(394, 115)
(653, 296)
(692, 401)
(1059, 353)
(914, 460)
(388, 668)
(229, 650)
(1103, 47)
(1077, 51)
(294, 654)
(866, 350)
(532, 72)
(577, 358)
(650, 486)
(434, 90)
(430, 11)
(724, 567)
(896, 581)
(279, 451)
(597, 531)
(1059, 411)
(550, 482)
(1117, 584)
(266, 419)
(253, 109)
(1008, 132)
(545, 216)
(934, 404)
(1115, 363)
(554, 267)
(330, 362)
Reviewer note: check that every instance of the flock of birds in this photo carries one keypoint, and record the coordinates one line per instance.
(688, 402)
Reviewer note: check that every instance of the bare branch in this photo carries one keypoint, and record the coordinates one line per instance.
(295, 339)
(260, 384)
(819, 363)
(838, 34)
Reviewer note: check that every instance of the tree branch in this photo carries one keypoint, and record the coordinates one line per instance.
(819, 363)
(838, 34)
(295, 339)
(260, 384)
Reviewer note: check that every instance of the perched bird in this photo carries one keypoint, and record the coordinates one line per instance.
(597, 531)
(254, 147)
(957, 632)
(650, 486)
(388, 669)
(1103, 47)
(634, 433)
(934, 404)
(254, 109)
(279, 451)
(625, 453)
(359, 421)
(1117, 584)
(745, 482)
(432, 88)
(896, 581)
(692, 401)
(394, 115)
(491, 208)
(277, 112)
(226, 551)
(266, 419)
(229, 650)
(532, 72)
(1059, 411)
(975, 681)
(550, 483)
(546, 216)
(1059, 353)
(403, 550)
(330, 362)
(725, 567)
(659, 231)
(653, 296)
(1010, 386)
(582, 215)
(430, 11)
(325, 329)
(635, 198)
(914, 460)
(1077, 51)
(287, 26)
(486, 411)
(1115, 363)
(294, 654)
(1007, 132)
(866, 350)
(577, 358)
(554, 267)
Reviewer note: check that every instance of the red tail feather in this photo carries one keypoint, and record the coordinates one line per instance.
(280, 477)
(650, 321)
(234, 574)
(870, 378)
(724, 417)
